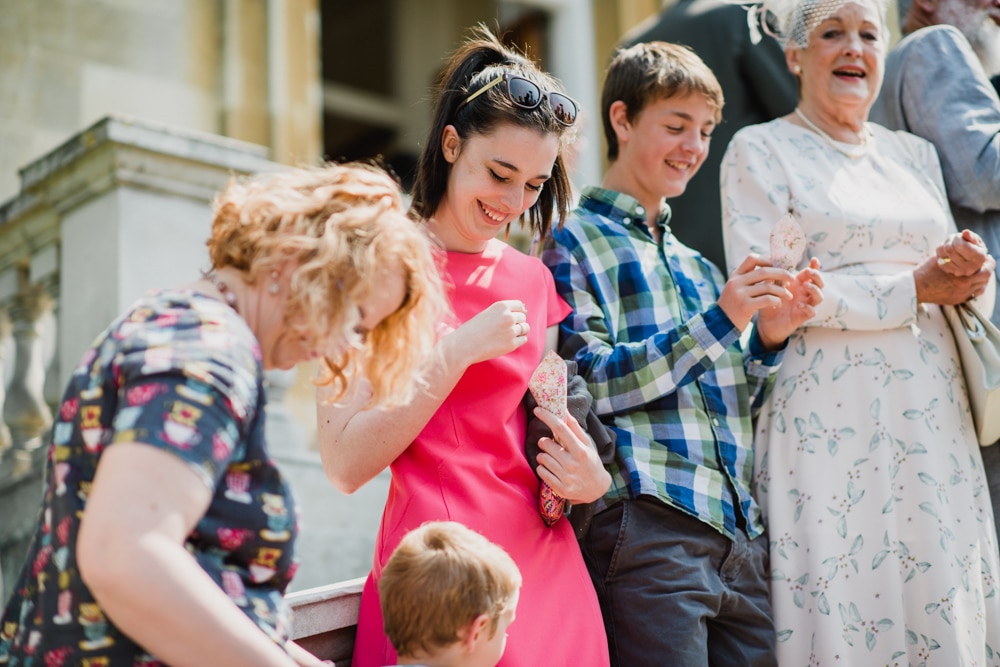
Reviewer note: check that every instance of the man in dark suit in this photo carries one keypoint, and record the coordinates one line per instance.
(756, 83)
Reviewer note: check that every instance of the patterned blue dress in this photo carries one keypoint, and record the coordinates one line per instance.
(180, 372)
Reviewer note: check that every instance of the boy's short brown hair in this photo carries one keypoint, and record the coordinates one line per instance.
(439, 579)
(643, 73)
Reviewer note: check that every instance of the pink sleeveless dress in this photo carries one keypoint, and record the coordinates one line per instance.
(468, 465)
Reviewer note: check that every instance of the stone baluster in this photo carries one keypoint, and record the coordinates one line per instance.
(6, 350)
(25, 411)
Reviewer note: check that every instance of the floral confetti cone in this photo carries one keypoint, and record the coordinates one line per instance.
(788, 243)
(548, 386)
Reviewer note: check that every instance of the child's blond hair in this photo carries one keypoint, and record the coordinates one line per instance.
(440, 578)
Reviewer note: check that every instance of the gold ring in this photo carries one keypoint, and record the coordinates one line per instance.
(943, 260)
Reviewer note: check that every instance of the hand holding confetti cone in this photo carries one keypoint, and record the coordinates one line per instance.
(548, 386)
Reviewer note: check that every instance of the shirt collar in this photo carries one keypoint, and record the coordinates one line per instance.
(622, 208)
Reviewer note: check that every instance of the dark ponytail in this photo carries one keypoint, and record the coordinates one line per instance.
(477, 62)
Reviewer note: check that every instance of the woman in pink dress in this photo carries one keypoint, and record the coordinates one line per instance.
(457, 452)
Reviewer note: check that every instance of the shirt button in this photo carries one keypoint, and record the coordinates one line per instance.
(640, 210)
(715, 420)
(626, 220)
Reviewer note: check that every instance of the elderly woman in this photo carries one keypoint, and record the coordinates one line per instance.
(166, 533)
(883, 549)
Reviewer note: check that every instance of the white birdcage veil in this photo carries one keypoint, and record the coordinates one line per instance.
(791, 21)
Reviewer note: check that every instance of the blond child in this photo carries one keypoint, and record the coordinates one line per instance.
(448, 596)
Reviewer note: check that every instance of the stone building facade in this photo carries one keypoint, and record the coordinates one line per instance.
(119, 118)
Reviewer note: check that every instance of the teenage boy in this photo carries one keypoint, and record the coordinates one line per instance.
(675, 551)
(448, 595)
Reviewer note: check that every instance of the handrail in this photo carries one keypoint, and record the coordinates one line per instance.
(325, 619)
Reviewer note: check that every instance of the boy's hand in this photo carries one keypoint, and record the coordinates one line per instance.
(774, 325)
(753, 286)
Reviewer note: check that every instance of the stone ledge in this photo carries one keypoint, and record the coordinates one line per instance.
(223, 152)
(120, 149)
(325, 619)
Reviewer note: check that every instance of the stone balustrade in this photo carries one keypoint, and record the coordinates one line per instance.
(325, 619)
(27, 331)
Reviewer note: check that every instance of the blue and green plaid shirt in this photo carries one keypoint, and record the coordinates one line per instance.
(664, 362)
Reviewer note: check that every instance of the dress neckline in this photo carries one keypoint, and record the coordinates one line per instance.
(847, 149)
(494, 248)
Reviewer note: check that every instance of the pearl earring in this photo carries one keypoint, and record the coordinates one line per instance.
(274, 287)
(797, 69)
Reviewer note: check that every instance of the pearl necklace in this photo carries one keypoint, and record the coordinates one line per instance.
(860, 151)
(227, 294)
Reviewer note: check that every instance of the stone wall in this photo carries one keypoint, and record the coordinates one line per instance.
(246, 69)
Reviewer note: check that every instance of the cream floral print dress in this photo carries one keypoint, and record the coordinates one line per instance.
(883, 545)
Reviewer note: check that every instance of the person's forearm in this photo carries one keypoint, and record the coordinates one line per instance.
(355, 451)
(157, 594)
(303, 657)
(660, 364)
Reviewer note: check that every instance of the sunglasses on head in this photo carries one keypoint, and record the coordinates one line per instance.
(527, 94)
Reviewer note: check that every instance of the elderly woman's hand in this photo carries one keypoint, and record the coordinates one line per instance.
(960, 270)
(569, 463)
(962, 254)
